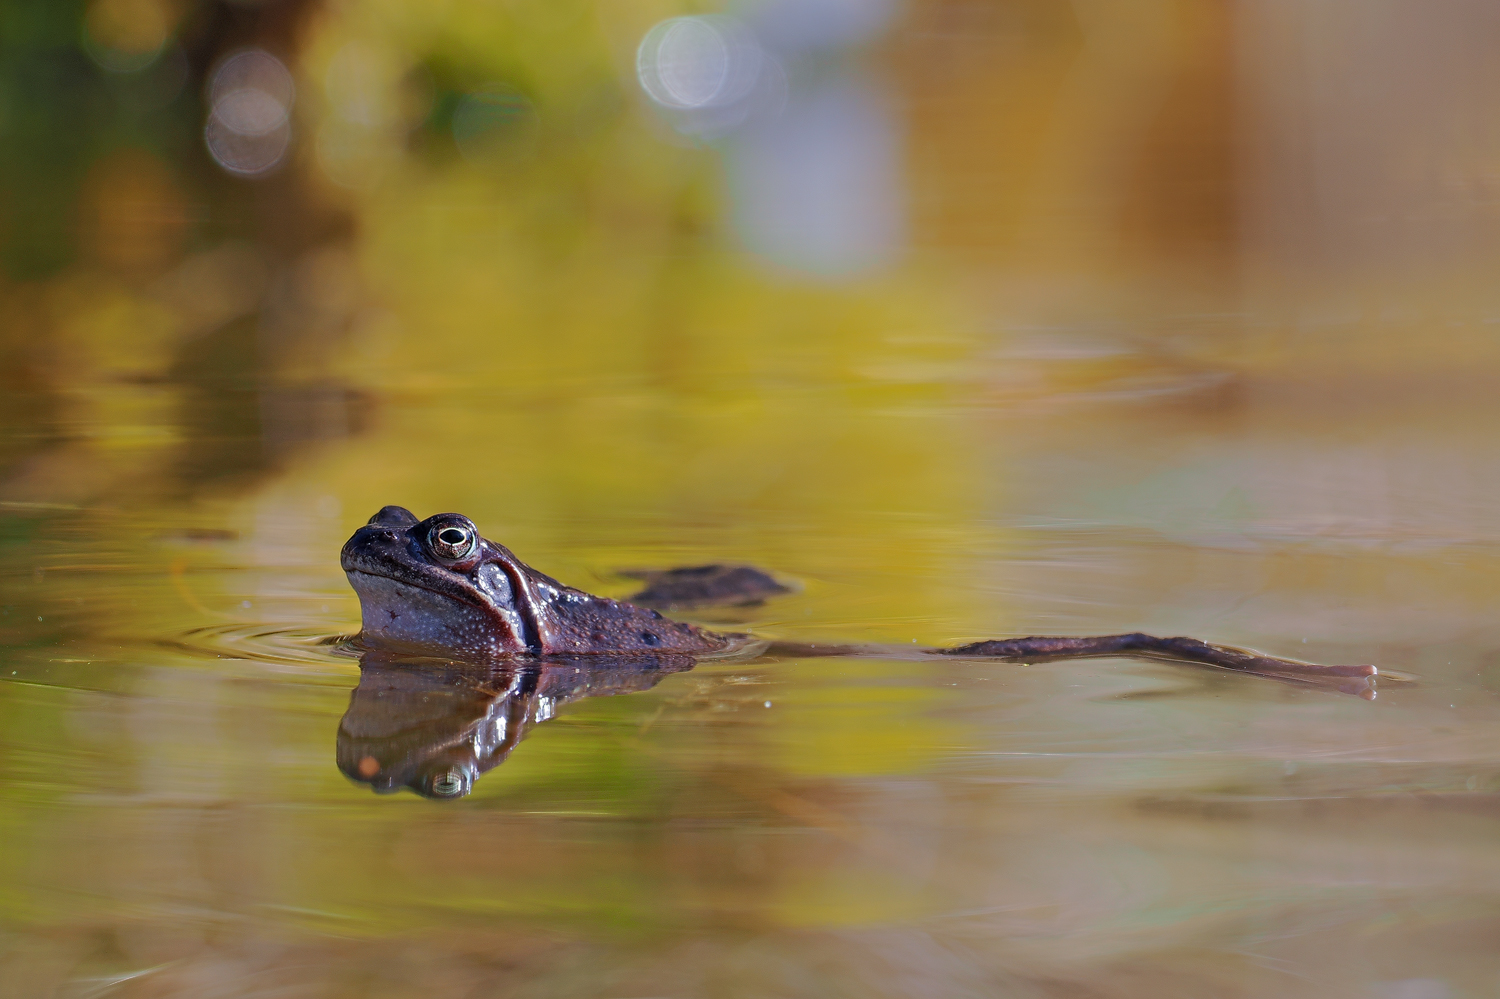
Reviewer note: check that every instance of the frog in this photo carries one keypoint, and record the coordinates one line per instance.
(438, 585)
(449, 617)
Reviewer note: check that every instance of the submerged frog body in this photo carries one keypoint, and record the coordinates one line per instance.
(704, 586)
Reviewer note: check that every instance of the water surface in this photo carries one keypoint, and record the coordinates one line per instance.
(1065, 342)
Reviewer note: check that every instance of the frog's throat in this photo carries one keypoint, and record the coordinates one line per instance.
(403, 613)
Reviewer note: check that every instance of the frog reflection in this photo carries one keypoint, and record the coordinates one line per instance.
(436, 727)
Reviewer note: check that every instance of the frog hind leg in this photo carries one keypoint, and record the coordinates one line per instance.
(1136, 645)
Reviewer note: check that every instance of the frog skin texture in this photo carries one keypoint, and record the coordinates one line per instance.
(436, 587)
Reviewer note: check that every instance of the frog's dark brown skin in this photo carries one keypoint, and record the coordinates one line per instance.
(437, 586)
(467, 647)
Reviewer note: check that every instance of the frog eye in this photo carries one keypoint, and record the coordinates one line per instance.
(451, 541)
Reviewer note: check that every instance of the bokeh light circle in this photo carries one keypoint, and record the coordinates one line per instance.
(250, 111)
(249, 121)
(246, 155)
(255, 68)
(126, 36)
(705, 61)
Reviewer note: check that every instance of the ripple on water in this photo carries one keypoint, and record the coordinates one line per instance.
(266, 643)
(305, 646)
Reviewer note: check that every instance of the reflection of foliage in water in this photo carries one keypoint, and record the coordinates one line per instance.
(551, 334)
(125, 247)
(554, 334)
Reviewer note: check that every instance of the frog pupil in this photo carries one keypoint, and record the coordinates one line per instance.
(452, 536)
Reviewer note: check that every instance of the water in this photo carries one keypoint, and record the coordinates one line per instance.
(1083, 353)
